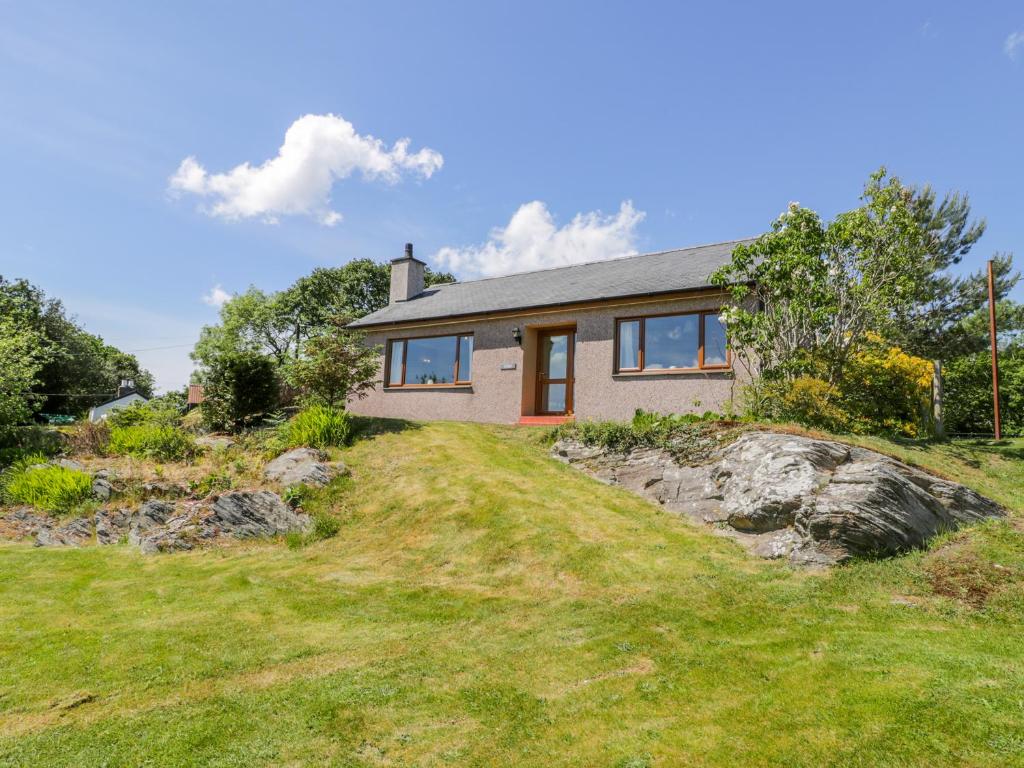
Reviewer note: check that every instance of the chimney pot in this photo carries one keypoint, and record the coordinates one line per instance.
(407, 279)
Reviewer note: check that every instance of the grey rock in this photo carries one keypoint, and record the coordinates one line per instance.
(23, 523)
(813, 502)
(102, 489)
(68, 464)
(112, 525)
(302, 466)
(151, 515)
(163, 489)
(73, 534)
(246, 514)
(214, 442)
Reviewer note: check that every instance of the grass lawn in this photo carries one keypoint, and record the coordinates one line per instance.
(485, 605)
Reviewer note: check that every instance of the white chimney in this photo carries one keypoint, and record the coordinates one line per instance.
(406, 276)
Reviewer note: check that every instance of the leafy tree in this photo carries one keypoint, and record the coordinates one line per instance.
(278, 324)
(334, 365)
(967, 392)
(240, 389)
(807, 294)
(77, 368)
(21, 359)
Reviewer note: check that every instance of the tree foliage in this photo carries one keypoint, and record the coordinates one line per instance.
(807, 293)
(240, 389)
(967, 392)
(76, 369)
(933, 324)
(334, 365)
(278, 324)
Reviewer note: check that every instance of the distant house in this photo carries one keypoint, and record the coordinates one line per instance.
(126, 395)
(195, 396)
(589, 341)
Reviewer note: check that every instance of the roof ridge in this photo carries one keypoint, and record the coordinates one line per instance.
(587, 263)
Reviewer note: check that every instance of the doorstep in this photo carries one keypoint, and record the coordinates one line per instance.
(543, 421)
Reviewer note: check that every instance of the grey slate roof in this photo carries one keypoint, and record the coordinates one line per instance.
(644, 275)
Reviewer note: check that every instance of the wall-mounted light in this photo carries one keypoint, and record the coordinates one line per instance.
(517, 335)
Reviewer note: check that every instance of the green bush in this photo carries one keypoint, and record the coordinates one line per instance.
(967, 393)
(48, 487)
(153, 441)
(166, 410)
(240, 390)
(319, 427)
(688, 436)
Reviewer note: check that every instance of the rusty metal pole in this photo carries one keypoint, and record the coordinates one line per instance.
(995, 350)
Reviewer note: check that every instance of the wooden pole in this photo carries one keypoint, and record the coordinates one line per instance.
(995, 350)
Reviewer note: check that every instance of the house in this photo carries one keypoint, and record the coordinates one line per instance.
(589, 341)
(126, 395)
(195, 396)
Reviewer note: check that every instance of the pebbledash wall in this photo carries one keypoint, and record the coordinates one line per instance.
(500, 393)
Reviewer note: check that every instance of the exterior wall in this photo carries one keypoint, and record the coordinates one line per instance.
(101, 412)
(503, 396)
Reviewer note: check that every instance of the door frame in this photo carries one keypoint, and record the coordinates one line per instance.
(570, 370)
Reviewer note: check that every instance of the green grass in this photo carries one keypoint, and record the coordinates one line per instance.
(164, 442)
(483, 605)
(318, 427)
(46, 487)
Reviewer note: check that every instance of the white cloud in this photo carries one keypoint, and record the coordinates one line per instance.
(317, 151)
(217, 297)
(531, 240)
(1013, 42)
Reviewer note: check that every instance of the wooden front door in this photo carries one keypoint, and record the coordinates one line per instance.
(554, 371)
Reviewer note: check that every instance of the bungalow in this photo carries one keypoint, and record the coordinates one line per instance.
(588, 341)
(125, 396)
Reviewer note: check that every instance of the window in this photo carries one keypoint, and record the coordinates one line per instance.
(430, 361)
(683, 342)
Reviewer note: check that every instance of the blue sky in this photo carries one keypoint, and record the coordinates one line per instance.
(660, 125)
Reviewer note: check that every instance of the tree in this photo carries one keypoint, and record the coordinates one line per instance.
(806, 295)
(932, 325)
(78, 368)
(239, 390)
(278, 324)
(334, 365)
(21, 360)
(967, 392)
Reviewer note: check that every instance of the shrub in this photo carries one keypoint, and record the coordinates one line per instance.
(45, 486)
(810, 401)
(90, 438)
(17, 442)
(319, 427)
(153, 441)
(165, 410)
(239, 391)
(883, 391)
(689, 437)
(967, 393)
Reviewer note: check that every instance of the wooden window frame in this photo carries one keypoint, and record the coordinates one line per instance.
(642, 370)
(404, 341)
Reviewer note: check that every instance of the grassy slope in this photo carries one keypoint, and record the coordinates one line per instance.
(484, 605)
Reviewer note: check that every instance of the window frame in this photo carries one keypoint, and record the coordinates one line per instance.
(642, 370)
(404, 341)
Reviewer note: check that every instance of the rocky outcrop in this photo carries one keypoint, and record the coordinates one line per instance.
(811, 501)
(165, 526)
(214, 442)
(303, 466)
(247, 514)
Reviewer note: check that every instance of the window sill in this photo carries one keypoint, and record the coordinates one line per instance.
(406, 387)
(693, 372)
